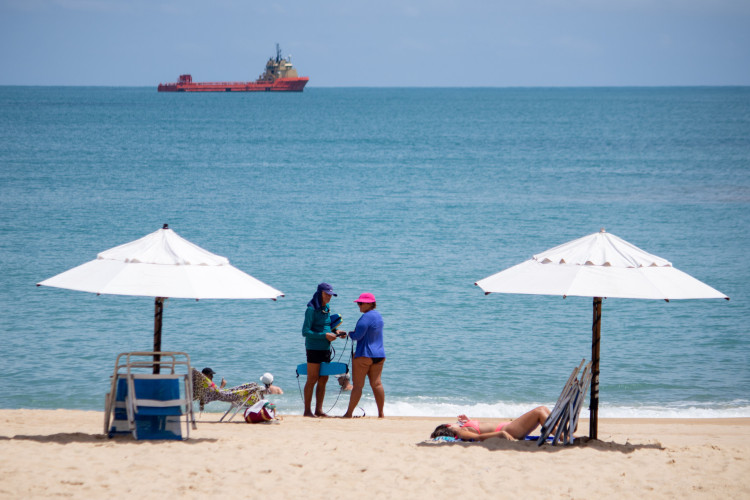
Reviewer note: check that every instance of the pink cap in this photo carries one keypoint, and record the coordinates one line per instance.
(366, 298)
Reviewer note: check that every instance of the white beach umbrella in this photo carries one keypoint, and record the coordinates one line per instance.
(598, 265)
(161, 265)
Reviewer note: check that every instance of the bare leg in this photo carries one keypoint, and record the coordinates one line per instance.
(360, 367)
(377, 386)
(313, 371)
(523, 425)
(320, 394)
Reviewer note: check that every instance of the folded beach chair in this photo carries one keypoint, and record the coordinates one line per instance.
(564, 416)
(239, 397)
(148, 405)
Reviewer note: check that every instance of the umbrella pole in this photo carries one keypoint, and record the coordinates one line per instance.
(595, 337)
(158, 310)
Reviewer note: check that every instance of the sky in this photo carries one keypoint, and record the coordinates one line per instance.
(380, 43)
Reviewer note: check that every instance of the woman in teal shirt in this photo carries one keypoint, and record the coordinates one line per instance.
(318, 337)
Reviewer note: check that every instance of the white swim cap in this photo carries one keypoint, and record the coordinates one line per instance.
(267, 378)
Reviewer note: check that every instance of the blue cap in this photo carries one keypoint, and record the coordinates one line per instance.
(325, 287)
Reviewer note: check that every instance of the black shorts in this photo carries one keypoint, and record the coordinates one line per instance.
(316, 356)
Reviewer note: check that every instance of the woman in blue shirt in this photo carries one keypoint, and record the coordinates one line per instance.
(369, 357)
(318, 337)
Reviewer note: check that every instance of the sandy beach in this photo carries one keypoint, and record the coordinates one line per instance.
(46, 453)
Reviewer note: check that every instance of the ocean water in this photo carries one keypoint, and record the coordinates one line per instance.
(411, 194)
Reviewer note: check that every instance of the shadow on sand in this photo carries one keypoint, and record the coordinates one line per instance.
(81, 437)
(531, 446)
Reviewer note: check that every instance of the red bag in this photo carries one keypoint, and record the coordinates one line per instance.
(260, 413)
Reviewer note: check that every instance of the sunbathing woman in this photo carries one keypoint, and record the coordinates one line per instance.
(474, 430)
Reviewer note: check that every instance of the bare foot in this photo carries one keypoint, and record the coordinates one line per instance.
(321, 414)
(309, 414)
(346, 415)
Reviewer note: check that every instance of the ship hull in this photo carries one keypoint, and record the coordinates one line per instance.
(279, 85)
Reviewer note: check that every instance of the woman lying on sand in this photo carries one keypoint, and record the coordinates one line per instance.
(474, 430)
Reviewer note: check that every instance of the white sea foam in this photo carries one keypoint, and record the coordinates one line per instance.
(417, 408)
(426, 407)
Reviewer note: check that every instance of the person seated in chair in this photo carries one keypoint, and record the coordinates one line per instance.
(208, 372)
(474, 430)
(206, 391)
(267, 380)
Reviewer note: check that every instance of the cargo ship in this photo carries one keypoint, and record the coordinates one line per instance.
(279, 76)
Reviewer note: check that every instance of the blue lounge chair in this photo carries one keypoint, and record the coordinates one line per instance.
(148, 405)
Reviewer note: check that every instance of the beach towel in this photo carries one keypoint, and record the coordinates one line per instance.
(451, 439)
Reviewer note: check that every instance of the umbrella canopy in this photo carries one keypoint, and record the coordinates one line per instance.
(598, 265)
(162, 264)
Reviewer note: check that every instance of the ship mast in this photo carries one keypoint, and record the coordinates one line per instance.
(278, 54)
